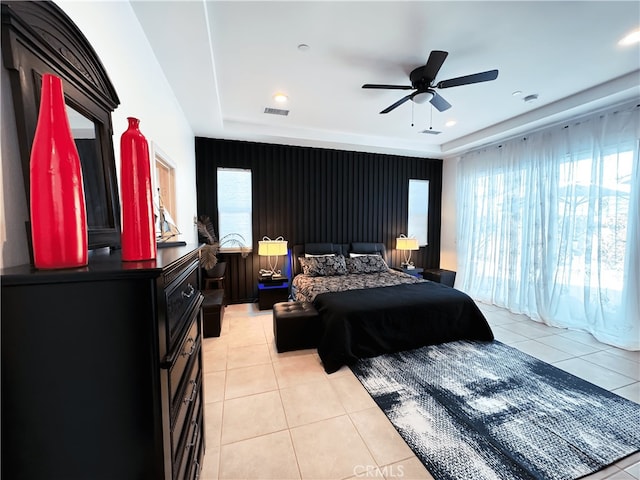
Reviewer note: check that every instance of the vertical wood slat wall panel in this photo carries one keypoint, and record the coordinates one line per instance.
(318, 195)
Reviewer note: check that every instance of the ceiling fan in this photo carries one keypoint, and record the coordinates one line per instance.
(422, 79)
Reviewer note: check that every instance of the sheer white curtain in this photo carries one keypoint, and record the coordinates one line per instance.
(549, 226)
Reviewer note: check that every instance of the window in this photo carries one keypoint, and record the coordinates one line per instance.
(163, 171)
(418, 210)
(547, 225)
(234, 209)
(597, 226)
(165, 176)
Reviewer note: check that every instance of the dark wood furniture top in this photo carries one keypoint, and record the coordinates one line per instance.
(416, 271)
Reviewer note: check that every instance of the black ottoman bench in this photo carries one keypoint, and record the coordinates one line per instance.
(296, 326)
(212, 312)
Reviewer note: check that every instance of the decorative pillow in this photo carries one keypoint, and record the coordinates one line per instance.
(310, 255)
(323, 266)
(366, 264)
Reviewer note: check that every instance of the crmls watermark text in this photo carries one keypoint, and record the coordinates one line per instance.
(373, 471)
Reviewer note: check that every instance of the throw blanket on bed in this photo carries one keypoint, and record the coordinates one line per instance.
(368, 322)
(306, 288)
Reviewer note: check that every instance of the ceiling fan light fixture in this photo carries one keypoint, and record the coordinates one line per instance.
(422, 97)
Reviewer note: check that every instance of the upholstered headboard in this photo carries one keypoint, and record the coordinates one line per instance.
(369, 248)
(337, 248)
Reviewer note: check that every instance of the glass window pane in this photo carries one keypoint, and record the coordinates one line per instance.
(418, 210)
(234, 209)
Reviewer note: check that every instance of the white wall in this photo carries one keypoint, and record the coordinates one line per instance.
(113, 30)
(448, 255)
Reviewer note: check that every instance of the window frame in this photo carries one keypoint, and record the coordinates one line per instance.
(232, 236)
(413, 229)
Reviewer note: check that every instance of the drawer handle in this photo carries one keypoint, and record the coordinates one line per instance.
(191, 397)
(195, 435)
(190, 291)
(193, 348)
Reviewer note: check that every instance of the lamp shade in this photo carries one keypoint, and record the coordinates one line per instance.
(422, 97)
(268, 247)
(406, 243)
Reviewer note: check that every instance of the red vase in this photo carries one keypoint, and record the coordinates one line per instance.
(57, 204)
(138, 231)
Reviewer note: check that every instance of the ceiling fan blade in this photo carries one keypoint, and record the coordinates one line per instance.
(467, 79)
(387, 87)
(440, 103)
(435, 61)
(397, 104)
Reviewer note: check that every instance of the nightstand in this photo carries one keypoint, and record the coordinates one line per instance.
(415, 272)
(270, 293)
(446, 277)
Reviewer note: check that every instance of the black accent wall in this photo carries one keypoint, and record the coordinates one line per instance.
(318, 195)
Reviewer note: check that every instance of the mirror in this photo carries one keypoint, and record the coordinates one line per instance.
(84, 135)
(37, 38)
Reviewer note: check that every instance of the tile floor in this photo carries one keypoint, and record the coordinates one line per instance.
(279, 416)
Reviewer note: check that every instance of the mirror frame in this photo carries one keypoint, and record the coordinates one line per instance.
(37, 38)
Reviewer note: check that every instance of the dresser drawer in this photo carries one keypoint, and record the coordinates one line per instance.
(189, 396)
(188, 351)
(196, 462)
(181, 295)
(197, 452)
(188, 466)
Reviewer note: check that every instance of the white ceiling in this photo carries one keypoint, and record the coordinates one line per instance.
(226, 59)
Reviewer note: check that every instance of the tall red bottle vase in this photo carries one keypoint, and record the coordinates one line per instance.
(138, 230)
(57, 203)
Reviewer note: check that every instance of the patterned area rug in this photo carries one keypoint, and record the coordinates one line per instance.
(476, 410)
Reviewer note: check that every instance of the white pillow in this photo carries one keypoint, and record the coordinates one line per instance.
(354, 255)
(309, 255)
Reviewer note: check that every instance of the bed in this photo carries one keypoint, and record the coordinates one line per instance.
(368, 309)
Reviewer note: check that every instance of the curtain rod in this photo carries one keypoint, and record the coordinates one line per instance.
(600, 112)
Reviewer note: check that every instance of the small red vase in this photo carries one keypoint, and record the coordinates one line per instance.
(138, 231)
(57, 203)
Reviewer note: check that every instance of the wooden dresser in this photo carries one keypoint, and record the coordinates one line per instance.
(102, 369)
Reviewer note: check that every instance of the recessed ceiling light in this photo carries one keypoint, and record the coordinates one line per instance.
(280, 97)
(450, 123)
(303, 47)
(631, 38)
(531, 98)
(516, 93)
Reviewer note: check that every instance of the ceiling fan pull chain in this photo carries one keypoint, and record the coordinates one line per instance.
(412, 114)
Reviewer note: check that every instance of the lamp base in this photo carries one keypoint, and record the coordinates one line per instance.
(407, 265)
(275, 280)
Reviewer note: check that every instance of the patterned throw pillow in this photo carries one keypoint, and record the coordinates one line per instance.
(323, 266)
(366, 264)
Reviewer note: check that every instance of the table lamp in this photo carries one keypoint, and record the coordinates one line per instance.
(406, 244)
(272, 248)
